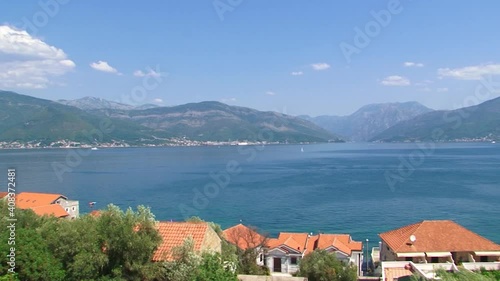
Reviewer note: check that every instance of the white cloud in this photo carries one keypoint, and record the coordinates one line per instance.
(413, 64)
(395, 80)
(297, 73)
(320, 66)
(104, 67)
(475, 72)
(158, 100)
(270, 93)
(151, 73)
(28, 62)
(441, 90)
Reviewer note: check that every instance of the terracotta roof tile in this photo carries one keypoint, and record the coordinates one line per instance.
(96, 213)
(296, 241)
(244, 237)
(175, 233)
(436, 236)
(25, 200)
(3, 194)
(341, 242)
(50, 210)
(395, 273)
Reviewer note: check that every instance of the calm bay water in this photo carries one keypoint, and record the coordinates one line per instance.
(338, 188)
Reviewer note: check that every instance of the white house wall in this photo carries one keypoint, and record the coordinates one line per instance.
(286, 266)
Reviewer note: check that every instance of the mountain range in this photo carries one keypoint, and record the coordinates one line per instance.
(93, 103)
(26, 119)
(370, 120)
(479, 122)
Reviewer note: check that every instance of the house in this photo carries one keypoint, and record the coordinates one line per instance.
(174, 234)
(285, 252)
(48, 204)
(245, 238)
(424, 246)
(342, 245)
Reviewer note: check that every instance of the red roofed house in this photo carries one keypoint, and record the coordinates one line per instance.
(286, 251)
(440, 243)
(175, 233)
(245, 238)
(48, 204)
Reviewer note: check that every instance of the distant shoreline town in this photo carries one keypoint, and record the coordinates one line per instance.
(182, 142)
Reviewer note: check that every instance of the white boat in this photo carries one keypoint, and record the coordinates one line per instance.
(493, 142)
(301, 149)
(94, 148)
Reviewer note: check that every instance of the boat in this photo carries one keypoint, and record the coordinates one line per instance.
(94, 148)
(301, 149)
(493, 142)
(91, 204)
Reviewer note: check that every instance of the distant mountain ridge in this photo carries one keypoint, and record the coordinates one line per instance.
(369, 120)
(26, 118)
(479, 122)
(93, 103)
(214, 120)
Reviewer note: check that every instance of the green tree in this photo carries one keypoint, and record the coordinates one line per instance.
(184, 265)
(323, 266)
(463, 275)
(33, 260)
(212, 269)
(247, 263)
(76, 244)
(128, 239)
(189, 266)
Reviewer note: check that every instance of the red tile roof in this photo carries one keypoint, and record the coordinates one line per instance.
(25, 200)
(436, 236)
(340, 242)
(295, 241)
(302, 242)
(175, 233)
(244, 237)
(395, 273)
(50, 210)
(3, 194)
(95, 213)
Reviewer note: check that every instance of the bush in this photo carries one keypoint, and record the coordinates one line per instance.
(323, 266)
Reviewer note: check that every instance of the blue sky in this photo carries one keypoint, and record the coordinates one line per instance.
(284, 56)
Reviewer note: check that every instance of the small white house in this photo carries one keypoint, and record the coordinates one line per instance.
(285, 252)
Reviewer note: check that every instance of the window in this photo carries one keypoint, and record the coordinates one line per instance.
(434, 259)
(73, 209)
(409, 259)
(293, 260)
(483, 259)
(261, 257)
(66, 209)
